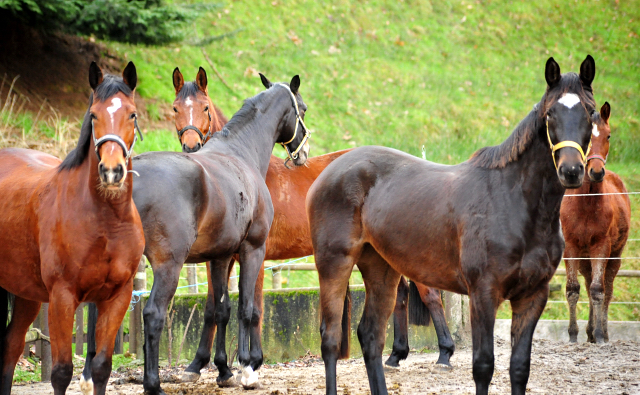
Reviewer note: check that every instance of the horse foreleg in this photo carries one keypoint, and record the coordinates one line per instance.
(572, 292)
(62, 307)
(379, 280)
(256, 323)
(165, 282)
(400, 326)
(596, 296)
(431, 298)
(112, 313)
(526, 314)
(609, 276)
(251, 260)
(483, 307)
(24, 312)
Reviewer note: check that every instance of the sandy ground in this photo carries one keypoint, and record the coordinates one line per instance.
(556, 368)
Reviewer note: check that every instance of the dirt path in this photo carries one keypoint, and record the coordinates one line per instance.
(557, 368)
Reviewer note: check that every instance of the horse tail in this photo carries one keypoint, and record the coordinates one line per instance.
(346, 326)
(4, 315)
(418, 311)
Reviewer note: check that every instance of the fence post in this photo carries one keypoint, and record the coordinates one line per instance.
(192, 279)
(277, 278)
(80, 329)
(457, 315)
(118, 347)
(233, 281)
(135, 316)
(45, 346)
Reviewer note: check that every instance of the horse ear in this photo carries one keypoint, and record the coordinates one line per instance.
(178, 80)
(295, 84)
(552, 73)
(201, 80)
(130, 76)
(588, 71)
(265, 81)
(95, 75)
(605, 112)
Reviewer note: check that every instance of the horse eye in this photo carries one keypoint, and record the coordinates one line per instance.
(93, 116)
(206, 109)
(175, 109)
(608, 138)
(133, 116)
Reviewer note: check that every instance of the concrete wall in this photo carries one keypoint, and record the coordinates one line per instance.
(291, 325)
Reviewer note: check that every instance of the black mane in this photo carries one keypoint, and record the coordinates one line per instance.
(499, 156)
(109, 87)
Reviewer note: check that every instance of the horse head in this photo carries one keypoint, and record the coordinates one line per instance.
(294, 135)
(568, 103)
(600, 135)
(113, 123)
(193, 109)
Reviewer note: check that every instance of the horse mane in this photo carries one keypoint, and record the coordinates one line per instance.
(188, 89)
(498, 156)
(109, 87)
(245, 114)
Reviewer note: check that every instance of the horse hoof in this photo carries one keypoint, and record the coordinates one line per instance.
(249, 378)
(391, 368)
(392, 363)
(226, 383)
(443, 367)
(189, 377)
(86, 386)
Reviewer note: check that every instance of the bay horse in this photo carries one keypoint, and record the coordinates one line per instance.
(211, 205)
(595, 228)
(71, 233)
(488, 227)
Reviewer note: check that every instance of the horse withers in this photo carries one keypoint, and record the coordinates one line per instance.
(596, 228)
(488, 227)
(71, 233)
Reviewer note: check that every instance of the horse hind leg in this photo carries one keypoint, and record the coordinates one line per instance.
(86, 382)
(610, 274)
(379, 279)
(12, 337)
(431, 299)
(400, 349)
(256, 356)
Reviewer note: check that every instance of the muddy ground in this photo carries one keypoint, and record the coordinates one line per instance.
(556, 368)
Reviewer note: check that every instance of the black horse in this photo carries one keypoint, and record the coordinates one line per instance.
(212, 205)
(488, 227)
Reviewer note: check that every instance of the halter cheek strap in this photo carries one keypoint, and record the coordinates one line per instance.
(566, 143)
(116, 139)
(307, 134)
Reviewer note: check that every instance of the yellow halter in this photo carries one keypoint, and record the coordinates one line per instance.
(567, 143)
(294, 155)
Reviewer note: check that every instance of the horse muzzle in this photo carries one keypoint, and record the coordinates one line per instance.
(112, 178)
(571, 174)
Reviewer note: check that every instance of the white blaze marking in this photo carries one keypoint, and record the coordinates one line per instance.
(116, 103)
(595, 130)
(189, 103)
(569, 100)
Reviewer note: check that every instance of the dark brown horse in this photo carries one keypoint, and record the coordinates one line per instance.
(488, 227)
(595, 226)
(71, 233)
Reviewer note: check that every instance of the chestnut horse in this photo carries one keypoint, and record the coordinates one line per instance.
(596, 227)
(489, 228)
(71, 233)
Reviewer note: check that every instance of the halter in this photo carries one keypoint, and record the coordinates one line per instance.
(204, 137)
(567, 143)
(294, 155)
(116, 139)
(596, 156)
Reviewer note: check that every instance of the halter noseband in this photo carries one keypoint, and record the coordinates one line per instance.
(294, 155)
(116, 139)
(596, 156)
(566, 143)
(203, 137)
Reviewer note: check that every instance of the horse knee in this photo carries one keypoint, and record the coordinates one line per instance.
(519, 374)
(61, 375)
(573, 291)
(597, 293)
(153, 321)
(483, 370)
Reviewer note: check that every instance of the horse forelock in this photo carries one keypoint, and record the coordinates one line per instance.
(499, 156)
(189, 89)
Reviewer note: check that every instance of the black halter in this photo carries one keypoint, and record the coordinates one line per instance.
(118, 140)
(204, 137)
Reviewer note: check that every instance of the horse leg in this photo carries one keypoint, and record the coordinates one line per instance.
(572, 292)
(222, 313)
(431, 298)
(609, 276)
(165, 281)
(483, 307)
(400, 326)
(112, 313)
(23, 314)
(62, 307)
(585, 269)
(86, 382)
(379, 279)
(256, 323)
(596, 293)
(251, 261)
(525, 315)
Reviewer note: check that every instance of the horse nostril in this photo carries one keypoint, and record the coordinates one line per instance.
(580, 168)
(198, 146)
(119, 172)
(184, 148)
(101, 169)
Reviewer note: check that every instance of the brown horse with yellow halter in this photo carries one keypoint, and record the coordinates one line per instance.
(71, 233)
(595, 222)
(488, 227)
